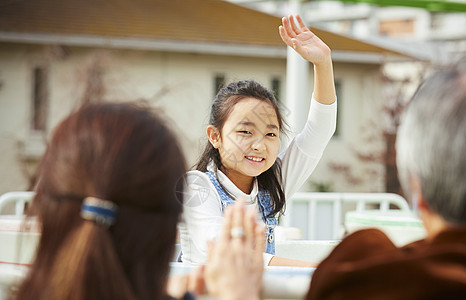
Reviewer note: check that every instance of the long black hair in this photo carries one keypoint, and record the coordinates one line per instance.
(222, 106)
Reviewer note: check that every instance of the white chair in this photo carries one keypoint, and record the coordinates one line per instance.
(17, 248)
(16, 199)
(18, 238)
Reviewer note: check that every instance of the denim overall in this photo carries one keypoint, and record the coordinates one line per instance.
(265, 207)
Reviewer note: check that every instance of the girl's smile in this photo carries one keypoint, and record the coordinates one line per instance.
(255, 159)
(248, 142)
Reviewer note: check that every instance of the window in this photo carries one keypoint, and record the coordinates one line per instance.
(397, 27)
(276, 84)
(40, 99)
(219, 82)
(338, 90)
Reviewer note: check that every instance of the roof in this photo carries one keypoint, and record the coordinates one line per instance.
(179, 25)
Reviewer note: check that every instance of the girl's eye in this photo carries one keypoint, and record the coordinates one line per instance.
(271, 134)
(244, 132)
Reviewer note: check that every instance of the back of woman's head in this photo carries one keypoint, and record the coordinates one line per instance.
(122, 153)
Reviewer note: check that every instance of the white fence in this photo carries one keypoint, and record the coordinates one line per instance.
(320, 216)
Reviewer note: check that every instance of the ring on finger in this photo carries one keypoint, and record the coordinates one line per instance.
(237, 232)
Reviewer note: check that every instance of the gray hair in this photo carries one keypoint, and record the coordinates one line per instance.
(431, 143)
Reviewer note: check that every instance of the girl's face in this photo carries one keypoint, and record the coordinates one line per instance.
(249, 140)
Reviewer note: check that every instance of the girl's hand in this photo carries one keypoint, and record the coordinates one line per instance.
(234, 264)
(303, 41)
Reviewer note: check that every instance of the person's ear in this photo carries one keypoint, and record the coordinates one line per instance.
(432, 221)
(421, 204)
(214, 136)
(417, 198)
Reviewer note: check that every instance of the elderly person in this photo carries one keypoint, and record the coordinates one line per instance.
(431, 159)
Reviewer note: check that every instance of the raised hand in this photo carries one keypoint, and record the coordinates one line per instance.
(303, 41)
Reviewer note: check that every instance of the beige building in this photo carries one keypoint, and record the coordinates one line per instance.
(56, 54)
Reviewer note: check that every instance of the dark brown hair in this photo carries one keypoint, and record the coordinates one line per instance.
(222, 106)
(119, 152)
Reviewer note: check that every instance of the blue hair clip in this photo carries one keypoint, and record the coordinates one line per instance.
(100, 211)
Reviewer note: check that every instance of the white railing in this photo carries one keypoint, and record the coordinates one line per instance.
(314, 213)
(320, 216)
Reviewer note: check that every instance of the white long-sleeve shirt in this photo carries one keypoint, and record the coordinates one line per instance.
(202, 213)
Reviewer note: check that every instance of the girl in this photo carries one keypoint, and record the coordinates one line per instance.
(240, 159)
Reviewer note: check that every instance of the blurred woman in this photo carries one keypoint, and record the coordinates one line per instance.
(107, 207)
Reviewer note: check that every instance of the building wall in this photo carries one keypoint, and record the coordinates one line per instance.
(14, 115)
(181, 84)
(360, 133)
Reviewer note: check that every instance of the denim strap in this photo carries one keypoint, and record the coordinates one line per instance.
(265, 207)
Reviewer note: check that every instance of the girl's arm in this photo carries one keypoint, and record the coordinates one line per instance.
(312, 49)
(281, 261)
(303, 154)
